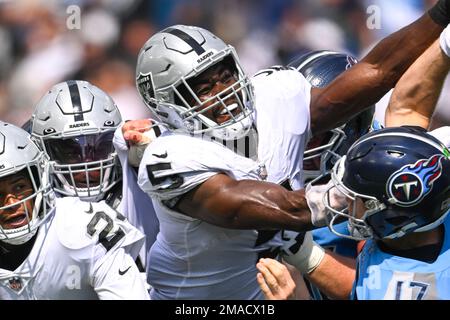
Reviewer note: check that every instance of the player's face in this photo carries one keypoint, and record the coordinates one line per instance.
(13, 189)
(81, 150)
(212, 82)
(314, 162)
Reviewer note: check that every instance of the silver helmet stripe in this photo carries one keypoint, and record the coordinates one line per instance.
(197, 47)
(76, 101)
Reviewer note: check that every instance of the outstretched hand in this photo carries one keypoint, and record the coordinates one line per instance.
(138, 134)
(133, 131)
(275, 280)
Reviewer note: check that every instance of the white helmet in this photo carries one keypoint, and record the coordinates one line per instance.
(74, 124)
(19, 154)
(172, 57)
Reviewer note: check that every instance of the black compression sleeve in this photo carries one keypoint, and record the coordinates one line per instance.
(440, 12)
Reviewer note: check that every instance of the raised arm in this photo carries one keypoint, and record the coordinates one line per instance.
(247, 204)
(415, 96)
(366, 82)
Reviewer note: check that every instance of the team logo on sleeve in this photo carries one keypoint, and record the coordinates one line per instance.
(262, 172)
(409, 185)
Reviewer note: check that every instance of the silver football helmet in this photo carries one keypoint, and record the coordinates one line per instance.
(74, 123)
(19, 154)
(174, 56)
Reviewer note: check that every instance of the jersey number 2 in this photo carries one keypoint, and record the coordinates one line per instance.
(102, 236)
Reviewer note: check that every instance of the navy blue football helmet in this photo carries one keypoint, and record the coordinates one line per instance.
(400, 177)
(322, 151)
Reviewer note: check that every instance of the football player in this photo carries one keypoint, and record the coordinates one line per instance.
(74, 123)
(323, 151)
(396, 180)
(205, 193)
(59, 248)
(413, 102)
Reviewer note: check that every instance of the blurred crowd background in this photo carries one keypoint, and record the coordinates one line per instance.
(38, 50)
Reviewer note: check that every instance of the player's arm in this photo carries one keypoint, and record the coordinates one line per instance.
(366, 82)
(415, 96)
(331, 273)
(117, 278)
(334, 276)
(246, 204)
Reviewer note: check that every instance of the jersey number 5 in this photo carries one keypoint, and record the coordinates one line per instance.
(174, 180)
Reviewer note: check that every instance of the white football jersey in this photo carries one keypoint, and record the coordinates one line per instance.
(82, 251)
(443, 134)
(192, 259)
(283, 123)
(136, 206)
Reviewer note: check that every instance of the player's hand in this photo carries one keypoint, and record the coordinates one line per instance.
(138, 134)
(133, 131)
(275, 280)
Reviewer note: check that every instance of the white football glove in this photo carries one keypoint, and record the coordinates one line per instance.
(301, 251)
(314, 197)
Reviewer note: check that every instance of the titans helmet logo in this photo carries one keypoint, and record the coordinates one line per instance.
(409, 185)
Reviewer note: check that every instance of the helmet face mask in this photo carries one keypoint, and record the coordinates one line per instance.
(401, 178)
(168, 64)
(24, 177)
(321, 152)
(78, 139)
(357, 226)
(84, 165)
(320, 68)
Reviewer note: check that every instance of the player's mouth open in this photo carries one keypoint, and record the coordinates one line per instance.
(224, 114)
(14, 221)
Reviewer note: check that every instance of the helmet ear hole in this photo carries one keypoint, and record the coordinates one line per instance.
(395, 154)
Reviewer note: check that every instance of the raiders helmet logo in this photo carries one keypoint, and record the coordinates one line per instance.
(145, 86)
(409, 185)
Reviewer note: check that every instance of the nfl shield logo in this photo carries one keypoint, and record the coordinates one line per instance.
(262, 172)
(15, 284)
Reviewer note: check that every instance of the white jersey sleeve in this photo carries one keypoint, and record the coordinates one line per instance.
(116, 277)
(283, 121)
(175, 164)
(443, 134)
(136, 206)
